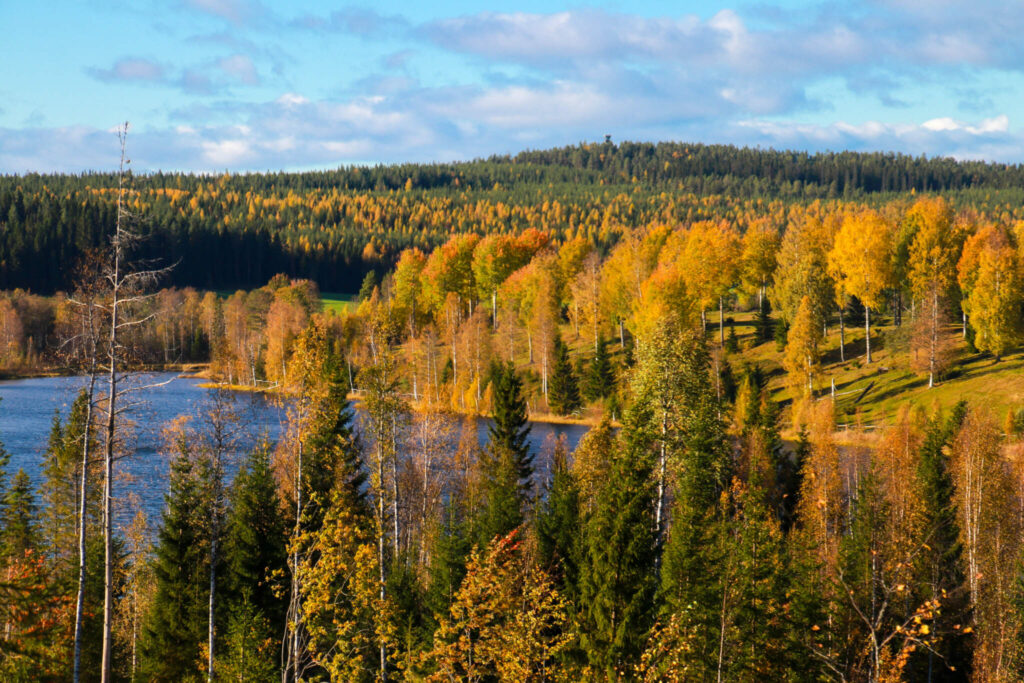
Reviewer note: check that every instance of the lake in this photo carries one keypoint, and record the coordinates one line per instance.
(27, 408)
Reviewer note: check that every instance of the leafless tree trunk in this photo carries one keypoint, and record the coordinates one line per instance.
(83, 490)
(721, 321)
(89, 339)
(867, 333)
(842, 335)
(125, 287)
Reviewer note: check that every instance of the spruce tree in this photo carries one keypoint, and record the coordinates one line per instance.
(558, 526)
(599, 382)
(255, 543)
(61, 491)
(177, 623)
(448, 554)
(18, 517)
(563, 387)
(509, 428)
(732, 342)
(942, 573)
(369, 284)
(504, 495)
(505, 462)
(739, 623)
(251, 652)
(30, 605)
(764, 322)
(618, 576)
(331, 450)
(58, 483)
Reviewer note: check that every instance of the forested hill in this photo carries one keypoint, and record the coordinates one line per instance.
(237, 230)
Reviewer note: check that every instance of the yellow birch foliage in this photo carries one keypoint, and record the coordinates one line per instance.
(802, 354)
(710, 261)
(803, 266)
(664, 296)
(986, 237)
(345, 619)
(507, 622)
(935, 249)
(859, 260)
(760, 246)
(993, 306)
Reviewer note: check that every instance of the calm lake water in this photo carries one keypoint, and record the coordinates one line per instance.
(27, 408)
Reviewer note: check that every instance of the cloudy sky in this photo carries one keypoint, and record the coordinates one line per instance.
(213, 85)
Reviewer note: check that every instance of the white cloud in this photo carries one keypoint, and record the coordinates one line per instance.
(130, 69)
(291, 99)
(545, 79)
(239, 68)
(945, 136)
(225, 153)
(237, 12)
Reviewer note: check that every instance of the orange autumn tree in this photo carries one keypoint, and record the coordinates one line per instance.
(494, 259)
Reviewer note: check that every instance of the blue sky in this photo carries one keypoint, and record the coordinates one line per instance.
(214, 85)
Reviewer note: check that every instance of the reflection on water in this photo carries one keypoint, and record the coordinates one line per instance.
(27, 409)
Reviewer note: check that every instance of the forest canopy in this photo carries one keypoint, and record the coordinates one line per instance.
(231, 231)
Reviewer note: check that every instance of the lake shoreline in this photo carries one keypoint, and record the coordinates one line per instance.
(416, 406)
(200, 371)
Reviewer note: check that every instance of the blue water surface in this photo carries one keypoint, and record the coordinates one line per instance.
(27, 408)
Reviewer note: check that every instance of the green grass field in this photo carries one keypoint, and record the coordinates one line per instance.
(338, 303)
(329, 301)
(872, 394)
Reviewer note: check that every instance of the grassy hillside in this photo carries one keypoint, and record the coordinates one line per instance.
(870, 395)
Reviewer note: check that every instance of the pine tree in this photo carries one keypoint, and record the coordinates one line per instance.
(618, 580)
(563, 387)
(599, 382)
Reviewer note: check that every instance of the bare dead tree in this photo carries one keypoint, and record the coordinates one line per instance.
(125, 283)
